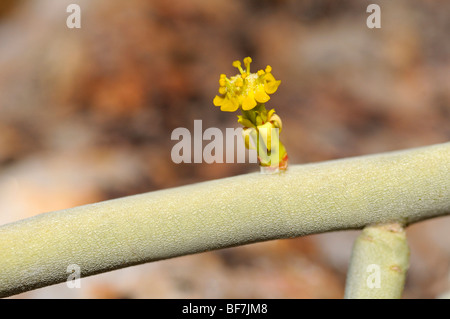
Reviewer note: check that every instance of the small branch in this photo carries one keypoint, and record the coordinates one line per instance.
(404, 187)
(379, 263)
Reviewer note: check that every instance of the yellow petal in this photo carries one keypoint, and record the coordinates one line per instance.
(270, 84)
(229, 105)
(260, 95)
(218, 100)
(269, 78)
(271, 87)
(249, 102)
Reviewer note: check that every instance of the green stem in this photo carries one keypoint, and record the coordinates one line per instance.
(405, 187)
(379, 263)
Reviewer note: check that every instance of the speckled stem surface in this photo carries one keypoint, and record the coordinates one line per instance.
(404, 186)
(379, 262)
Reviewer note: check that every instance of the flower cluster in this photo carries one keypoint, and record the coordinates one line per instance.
(249, 92)
(246, 89)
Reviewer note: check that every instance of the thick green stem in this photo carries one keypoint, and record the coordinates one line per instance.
(404, 187)
(379, 263)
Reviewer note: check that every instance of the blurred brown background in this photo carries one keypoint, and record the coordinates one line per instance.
(86, 115)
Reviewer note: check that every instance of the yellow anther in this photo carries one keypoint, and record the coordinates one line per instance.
(222, 90)
(222, 82)
(247, 62)
(268, 69)
(260, 72)
(239, 82)
(244, 75)
(237, 64)
(223, 76)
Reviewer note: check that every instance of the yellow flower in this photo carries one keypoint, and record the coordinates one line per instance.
(246, 89)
